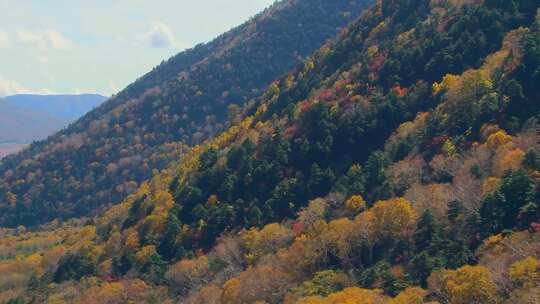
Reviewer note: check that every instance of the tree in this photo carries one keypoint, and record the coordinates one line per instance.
(349, 295)
(411, 295)
(210, 294)
(285, 197)
(466, 285)
(355, 204)
(320, 181)
(150, 264)
(267, 240)
(498, 139)
(208, 158)
(423, 265)
(525, 273)
(168, 247)
(532, 160)
(324, 283)
(455, 211)
(428, 232)
(501, 209)
(315, 211)
(74, 266)
(394, 218)
(121, 265)
(260, 283)
(375, 169)
(254, 217)
(510, 159)
(356, 180)
(189, 274)
(335, 239)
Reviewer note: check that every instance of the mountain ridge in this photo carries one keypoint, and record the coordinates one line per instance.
(20, 125)
(26, 118)
(185, 100)
(68, 107)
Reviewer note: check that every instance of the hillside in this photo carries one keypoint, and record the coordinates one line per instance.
(399, 164)
(104, 156)
(64, 107)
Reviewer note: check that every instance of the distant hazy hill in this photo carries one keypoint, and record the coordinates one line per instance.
(20, 125)
(66, 107)
(26, 118)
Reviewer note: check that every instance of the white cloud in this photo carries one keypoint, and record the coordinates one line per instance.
(45, 39)
(160, 36)
(113, 88)
(43, 59)
(9, 87)
(5, 41)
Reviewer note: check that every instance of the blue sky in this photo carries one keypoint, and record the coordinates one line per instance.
(100, 46)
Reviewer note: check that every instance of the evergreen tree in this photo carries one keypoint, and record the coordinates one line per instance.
(428, 234)
(168, 248)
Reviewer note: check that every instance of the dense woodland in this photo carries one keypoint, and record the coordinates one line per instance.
(400, 163)
(106, 154)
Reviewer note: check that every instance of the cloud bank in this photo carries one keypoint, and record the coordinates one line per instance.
(8, 87)
(45, 39)
(5, 41)
(161, 36)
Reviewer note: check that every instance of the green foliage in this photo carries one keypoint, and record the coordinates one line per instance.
(121, 265)
(324, 283)
(381, 274)
(428, 233)
(375, 169)
(532, 160)
(511, 206)
(153, 269)
(169, 247)
(355, 180)
(74, 266)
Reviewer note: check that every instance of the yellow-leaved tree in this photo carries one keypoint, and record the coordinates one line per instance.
(352, 295)
(466, 285)
(394, 218)
(525, 273)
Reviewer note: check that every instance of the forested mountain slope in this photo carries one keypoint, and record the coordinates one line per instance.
(106, 154)
(399, 164)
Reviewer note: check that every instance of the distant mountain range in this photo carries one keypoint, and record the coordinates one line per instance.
(21, 125)
(64, 107)
(27, 118)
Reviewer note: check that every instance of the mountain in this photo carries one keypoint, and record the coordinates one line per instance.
(26, 118)
(9, 148)
(65, 107)
(398, 164)
(104, 156)
(20, 125)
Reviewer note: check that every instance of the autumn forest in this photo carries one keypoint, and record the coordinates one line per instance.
(343, 152)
